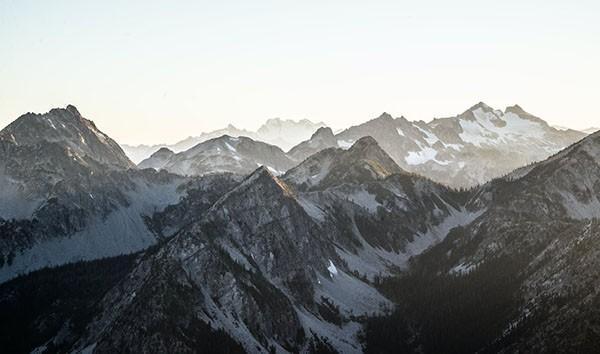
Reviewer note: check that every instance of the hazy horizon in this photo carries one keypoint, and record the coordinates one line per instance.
(156, 74)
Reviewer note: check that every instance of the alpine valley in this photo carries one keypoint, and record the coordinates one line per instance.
(473, 233)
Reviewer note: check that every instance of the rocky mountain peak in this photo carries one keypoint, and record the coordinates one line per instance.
(66, 128)
(515, 109)
(264, 175)
(481, 105)
(364, 161)
(323, 138)
(261, 172)
(323, 132)
(367, 150)
(158, 160)
(367, 142)
(73, 110)
(258, 185)
(163, 152)
(69, 113)
(518, 110)
(386, 116)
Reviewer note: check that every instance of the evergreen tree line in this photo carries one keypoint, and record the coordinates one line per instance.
(447, 313)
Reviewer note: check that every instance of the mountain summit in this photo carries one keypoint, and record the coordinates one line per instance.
(65, 127)
(365, 160)
(69, 193)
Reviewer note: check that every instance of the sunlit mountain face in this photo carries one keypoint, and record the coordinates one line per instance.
(474, 233)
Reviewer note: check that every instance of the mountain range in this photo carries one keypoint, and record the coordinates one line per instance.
(451, 150)
(284, 133)
(240, 155)
(349, 242)
(454, 150)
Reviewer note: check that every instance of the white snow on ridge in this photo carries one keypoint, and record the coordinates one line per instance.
(423, 156)
(430, 138)
(420, 157)
(456, 147)
(483, 131)
(474, 133)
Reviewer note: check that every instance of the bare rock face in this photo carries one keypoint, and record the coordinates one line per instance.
(39, 150)
(69, 193)
(69, 130)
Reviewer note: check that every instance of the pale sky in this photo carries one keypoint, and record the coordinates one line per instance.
(150, 72)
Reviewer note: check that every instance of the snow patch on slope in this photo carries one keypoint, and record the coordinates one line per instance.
(332, 269)
(438, 232)
(364, 199)
(483, 131)
(422, 156)
(579, 210)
